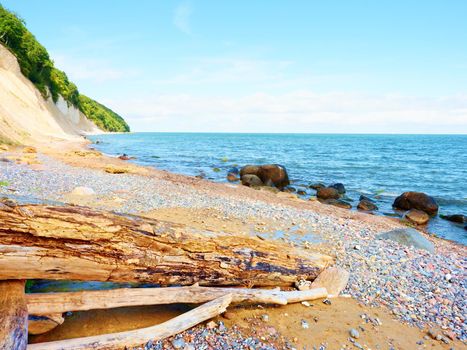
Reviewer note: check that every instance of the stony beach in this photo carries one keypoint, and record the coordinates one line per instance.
(416, 287)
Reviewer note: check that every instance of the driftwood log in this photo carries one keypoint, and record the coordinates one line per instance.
(140, 336)
(79, 243)
(13, 316)
(53, 303)
(44, 323)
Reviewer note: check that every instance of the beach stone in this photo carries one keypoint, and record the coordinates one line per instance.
(337, 203)
(233, 174)
(366, 205)
(251, 180)
(301, 192)
(408, 237)
(178, 343)
(29, 149)
(416, 200)
(83, 191)
(365, 198)
(458, 218)
(124, 157)
(339, 187)
(354, 333)
(116, 170)
(303, 284)
(270, 174)
(334, 279)
(317, 186)
(327, 193)
(417, 216)
(290, 189)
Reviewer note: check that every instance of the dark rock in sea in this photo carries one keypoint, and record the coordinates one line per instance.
(458, 218)
(339, 187)
(365, 198)
(251, 180)
(232, 174)
(317, 186)
(416, 200)
(270, 174)
(327, 193)
(366, 205)
(417, 216)
(408, 237)
(124, 157)
(301, 192)
(337, 203)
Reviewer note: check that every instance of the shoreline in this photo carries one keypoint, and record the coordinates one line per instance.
(235, 208)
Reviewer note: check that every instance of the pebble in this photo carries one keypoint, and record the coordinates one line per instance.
(305, 324)
(327, 302)
(265, 318)
(354, 333)
(178, 343)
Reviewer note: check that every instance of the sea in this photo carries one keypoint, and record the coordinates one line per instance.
(378, 166)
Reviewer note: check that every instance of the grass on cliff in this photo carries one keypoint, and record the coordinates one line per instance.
(38, 67)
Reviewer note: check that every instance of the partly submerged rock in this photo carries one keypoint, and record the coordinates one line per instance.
(366, 205)
(417, 216)
(416, 200)
(365, 198)
(270, 174)
(251, 180)
(408, 237)
(327, 193)
(339, 187)
(458, 218)
(317, 186)
(334, 279)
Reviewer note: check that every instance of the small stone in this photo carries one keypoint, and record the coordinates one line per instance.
(228, 315)
(448, 277)
(82, 191)
(357, 247)
(265, 318)
(178, 343)
(306, 303)
(303, 284)
(327, 302)
(354, 333)
(211, 325)
(305, 324)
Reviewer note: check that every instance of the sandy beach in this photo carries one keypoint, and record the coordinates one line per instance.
(395, 293)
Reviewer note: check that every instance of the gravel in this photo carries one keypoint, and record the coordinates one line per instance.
(420, 288)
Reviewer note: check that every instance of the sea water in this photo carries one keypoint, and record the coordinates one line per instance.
(379, 166)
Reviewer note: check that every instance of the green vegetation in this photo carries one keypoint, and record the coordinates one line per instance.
(37, 66)
(4, 183)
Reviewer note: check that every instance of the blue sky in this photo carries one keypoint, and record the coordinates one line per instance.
(264, 66)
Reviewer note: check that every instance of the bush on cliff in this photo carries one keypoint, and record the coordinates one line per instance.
(37, 66)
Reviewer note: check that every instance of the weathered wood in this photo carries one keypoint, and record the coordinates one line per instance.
(44, 323)
(143, 335)
(13, 316)
(47, 303)
(79, 243)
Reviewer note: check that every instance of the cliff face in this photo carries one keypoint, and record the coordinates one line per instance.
(26, 117)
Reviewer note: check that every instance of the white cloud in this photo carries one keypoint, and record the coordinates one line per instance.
(298, 111)
(94, 70)
(182, 16)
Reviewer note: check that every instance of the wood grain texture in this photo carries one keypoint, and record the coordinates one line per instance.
(79, 243)
(13, 316)
(50, 303)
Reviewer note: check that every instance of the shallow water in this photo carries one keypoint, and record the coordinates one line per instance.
(380, 166)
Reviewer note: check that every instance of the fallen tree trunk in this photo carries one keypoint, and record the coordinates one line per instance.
(50, 303)
(143, 335)
(79, 243)
(13, 316)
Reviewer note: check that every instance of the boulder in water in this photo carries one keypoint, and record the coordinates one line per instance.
(251, 180)
(365, 198)
(317, 186)
(366, 205)
(327, 193)
(417, 216)
(458, 218)
(232, 174)
(416, 200)
(270, 174)
(339, 187)
(408, 237)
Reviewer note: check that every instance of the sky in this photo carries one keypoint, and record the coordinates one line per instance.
(311, 66)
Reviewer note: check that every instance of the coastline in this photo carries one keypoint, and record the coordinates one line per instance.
(383, 274)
